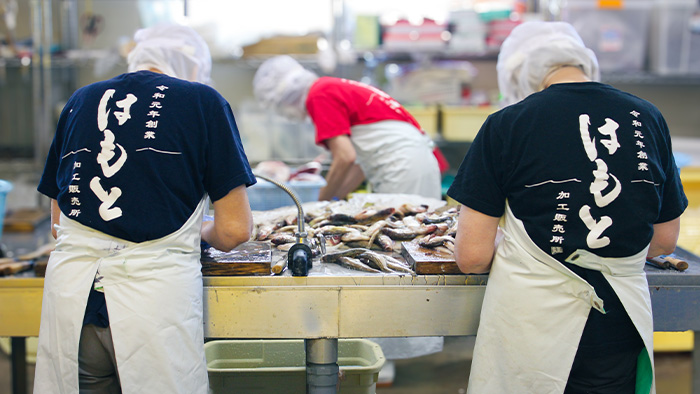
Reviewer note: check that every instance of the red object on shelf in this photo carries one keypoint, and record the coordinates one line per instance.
(406, 34)
(498, 30)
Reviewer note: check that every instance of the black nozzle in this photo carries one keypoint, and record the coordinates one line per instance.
(299, 259)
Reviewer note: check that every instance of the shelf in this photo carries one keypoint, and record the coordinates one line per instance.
(435, 54)
(647, 78)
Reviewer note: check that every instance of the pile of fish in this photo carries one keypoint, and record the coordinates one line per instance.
(365, 240)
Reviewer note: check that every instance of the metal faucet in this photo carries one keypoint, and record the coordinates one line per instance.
(299, 256)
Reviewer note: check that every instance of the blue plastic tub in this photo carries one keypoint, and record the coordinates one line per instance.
(264, 195)
(5, 188)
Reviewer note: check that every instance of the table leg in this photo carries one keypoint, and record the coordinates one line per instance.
(19, 365)
(321, 366)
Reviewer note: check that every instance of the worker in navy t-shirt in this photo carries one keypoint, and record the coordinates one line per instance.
(130, 173)
(582, 178)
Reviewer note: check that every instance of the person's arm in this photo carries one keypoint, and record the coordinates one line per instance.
(475, 243)
(337, 178)
(353, 180)
(233, 221)
(665, 238)
(55, 217)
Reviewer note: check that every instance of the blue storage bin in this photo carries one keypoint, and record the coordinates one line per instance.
(265, 195)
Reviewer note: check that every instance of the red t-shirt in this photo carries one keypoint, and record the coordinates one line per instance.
(336, 104)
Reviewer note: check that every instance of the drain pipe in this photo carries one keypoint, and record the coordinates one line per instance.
(321, 365)
(321, 353)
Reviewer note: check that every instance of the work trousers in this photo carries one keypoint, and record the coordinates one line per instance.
(96, 362)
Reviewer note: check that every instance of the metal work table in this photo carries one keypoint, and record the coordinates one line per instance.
(354, 306)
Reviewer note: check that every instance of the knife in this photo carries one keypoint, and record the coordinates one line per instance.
(678, 264)
(658, 262)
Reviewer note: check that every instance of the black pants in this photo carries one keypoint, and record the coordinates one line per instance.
(615, 374)
(606, 360)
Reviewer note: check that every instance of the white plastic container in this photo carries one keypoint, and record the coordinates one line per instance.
(675, 38)
(264, 195)
(618, 36)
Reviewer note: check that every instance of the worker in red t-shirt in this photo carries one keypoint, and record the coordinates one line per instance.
(369, 134)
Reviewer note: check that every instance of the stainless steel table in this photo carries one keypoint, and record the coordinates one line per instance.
(353, 306)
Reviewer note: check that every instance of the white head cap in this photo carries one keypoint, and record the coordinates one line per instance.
(281, 83)
(176, 50)
(533, 50)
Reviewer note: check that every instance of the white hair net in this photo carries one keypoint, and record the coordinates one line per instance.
(533, 50)
(175, 50)
(281, 83)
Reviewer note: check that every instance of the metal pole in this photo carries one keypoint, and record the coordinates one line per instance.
(37, 102)
(321, 365)
(19, 365)
(695, 368)
(47, 113)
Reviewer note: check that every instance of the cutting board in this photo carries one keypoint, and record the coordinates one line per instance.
(426, 261)
(250, 258)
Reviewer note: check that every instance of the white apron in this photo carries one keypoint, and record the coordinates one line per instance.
(153, 292)
(397, 158)
(535, 310)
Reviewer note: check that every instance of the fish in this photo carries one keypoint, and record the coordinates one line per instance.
(336, 230)
(332, 257)
(264, 231)
(408, 234)
(449, 245)
(282, 238)
(373, 231)
(319, 219)
(385, 242)
(372, 215)
(360, 227)
(362, 245)
(289, 228)
(356, 264)
(435, 241)
(410, 209)
(397, 265)
(432, 219)
(341, 218)
(354, 236)
(375, 260)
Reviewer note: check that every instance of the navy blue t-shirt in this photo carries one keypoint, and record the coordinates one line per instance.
(584, 166)
(134, 155)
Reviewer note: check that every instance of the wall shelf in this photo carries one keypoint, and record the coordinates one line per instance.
(648, 78)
